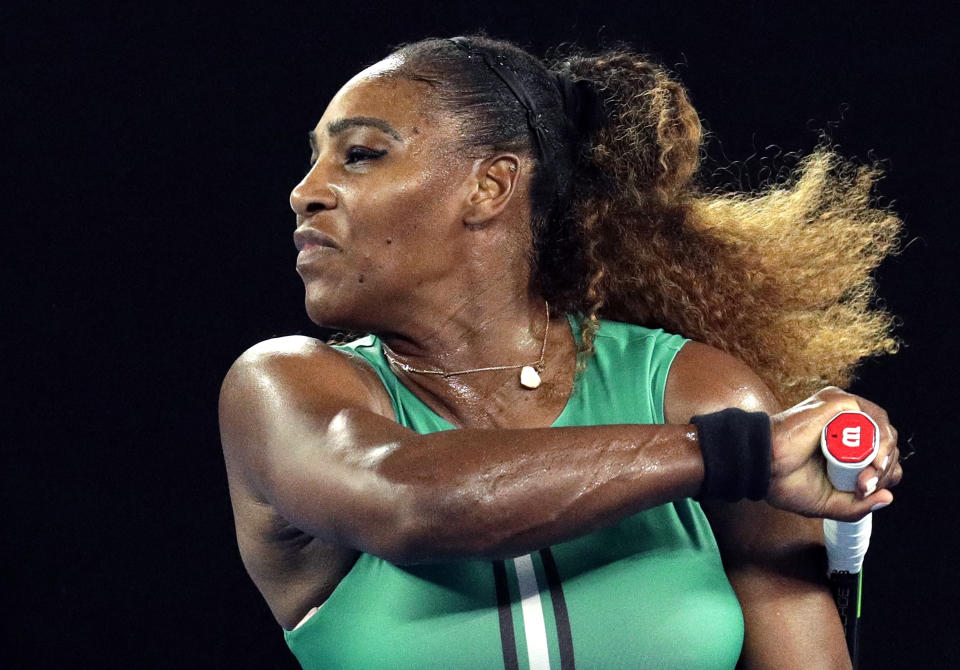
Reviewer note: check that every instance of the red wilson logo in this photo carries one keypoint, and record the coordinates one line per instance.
(850, 437)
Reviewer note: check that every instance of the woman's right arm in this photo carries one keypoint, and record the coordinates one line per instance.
(301, 424)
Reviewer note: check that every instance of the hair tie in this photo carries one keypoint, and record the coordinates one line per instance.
(512, 81)
(581, 103)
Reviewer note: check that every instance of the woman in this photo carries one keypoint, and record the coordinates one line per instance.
(479, 213)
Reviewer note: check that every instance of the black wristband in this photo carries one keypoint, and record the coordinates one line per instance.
(736, 454)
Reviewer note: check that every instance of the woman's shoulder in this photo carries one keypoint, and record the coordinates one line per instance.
(705, 379)
(284, 347)
(301, 369)
(296, 353)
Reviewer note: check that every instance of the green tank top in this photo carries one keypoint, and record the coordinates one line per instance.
(647, 592)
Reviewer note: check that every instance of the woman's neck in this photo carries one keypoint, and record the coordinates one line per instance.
(473, 332)
(483, 333)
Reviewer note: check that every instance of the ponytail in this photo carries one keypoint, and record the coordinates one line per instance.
(621, 230)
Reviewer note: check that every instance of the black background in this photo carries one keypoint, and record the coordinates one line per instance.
(149, 157)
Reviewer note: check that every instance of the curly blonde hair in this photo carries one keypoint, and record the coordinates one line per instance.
(781, 278)
(622, 229)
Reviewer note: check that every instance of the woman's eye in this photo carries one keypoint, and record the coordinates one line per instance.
(357, 154)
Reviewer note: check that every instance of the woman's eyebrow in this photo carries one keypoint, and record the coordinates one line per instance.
(340, 125)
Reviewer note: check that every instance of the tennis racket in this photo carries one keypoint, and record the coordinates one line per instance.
(849, 442)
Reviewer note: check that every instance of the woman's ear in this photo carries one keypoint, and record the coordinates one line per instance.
(493, 182)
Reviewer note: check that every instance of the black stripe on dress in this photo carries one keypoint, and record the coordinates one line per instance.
(507, 639)
(559, 610)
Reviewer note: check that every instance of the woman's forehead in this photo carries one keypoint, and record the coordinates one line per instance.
(399, 101)
(373, 86)
(384, 68)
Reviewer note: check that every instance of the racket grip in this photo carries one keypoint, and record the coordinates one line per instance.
(847, 543)
(849, 443)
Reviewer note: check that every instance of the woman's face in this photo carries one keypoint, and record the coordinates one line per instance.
(385, 193)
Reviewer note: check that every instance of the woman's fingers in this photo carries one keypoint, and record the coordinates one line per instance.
(868, 481)
(886, 468)
(799, 480)
(885, 471)
(851, 507)
(876, 412)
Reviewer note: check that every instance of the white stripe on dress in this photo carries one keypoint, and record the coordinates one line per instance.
(534, 628)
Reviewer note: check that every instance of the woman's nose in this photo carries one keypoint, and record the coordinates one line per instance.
(312, 194)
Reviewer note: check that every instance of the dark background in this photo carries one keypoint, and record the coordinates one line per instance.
(148, 159)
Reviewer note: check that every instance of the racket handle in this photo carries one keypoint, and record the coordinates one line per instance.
(847, 543)
(849, 442)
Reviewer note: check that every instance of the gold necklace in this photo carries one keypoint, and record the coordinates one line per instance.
(529, 373)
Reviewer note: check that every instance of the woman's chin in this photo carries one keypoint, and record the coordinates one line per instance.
(320, 313)
(331, 314)
(361, 309)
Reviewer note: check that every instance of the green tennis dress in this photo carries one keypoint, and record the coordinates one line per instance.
(647, 592)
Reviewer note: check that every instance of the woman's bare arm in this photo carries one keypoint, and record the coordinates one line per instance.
(775, 560)
(304, 429)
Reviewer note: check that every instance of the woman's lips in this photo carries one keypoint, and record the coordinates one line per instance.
(306, 236)
(310, 253)
(312, 245)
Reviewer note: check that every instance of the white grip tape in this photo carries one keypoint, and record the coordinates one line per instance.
(847, 543)
(843, 476)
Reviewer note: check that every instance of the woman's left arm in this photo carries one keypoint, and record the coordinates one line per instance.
(775, 560)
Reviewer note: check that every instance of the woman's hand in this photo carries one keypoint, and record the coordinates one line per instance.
(799, 482)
